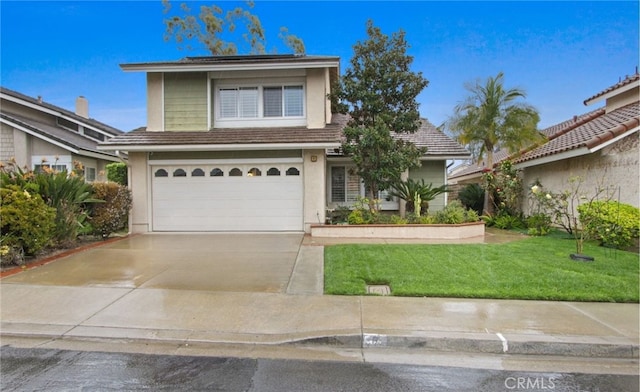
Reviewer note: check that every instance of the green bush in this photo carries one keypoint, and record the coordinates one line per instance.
(117, 172)
(505, 221)
(27, 223)
(111, 215)
(472, 197)
(614, 224)
(455, 213)
(538, 224)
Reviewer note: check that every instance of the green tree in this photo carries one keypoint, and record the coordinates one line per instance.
(379, 92)
(213, 22)
(491, 118)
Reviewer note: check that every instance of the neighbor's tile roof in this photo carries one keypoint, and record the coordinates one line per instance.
(587, 130)
(628, 80)
(89, 121)
(590, 134)
(70, 139)
(435, 141)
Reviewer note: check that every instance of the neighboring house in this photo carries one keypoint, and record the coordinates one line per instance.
(34, 133)
(245, 143)
(600, 146)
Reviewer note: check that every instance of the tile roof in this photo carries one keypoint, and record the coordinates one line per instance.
(228, 136)
(89, 121)
(627, 80)
(70, 139)
(436, 141)
(590, 134)
(587, 130)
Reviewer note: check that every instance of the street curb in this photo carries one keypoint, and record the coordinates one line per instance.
(579, 347)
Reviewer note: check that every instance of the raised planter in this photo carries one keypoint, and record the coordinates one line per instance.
(434, 232)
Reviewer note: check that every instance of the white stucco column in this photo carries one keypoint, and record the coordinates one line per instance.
(139, 184)
(314, 171)
(402, 206)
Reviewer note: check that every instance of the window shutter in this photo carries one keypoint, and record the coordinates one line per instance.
(293, 101)
(248, 101)
(272, 101)
(228, 103)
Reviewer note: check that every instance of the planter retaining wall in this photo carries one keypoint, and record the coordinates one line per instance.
(443, 232)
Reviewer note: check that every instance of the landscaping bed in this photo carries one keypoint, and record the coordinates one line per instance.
(535, 268)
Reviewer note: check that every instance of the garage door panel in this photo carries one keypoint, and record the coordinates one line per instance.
(205, 203)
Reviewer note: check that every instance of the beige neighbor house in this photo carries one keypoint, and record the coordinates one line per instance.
(34, 132)
(600, 146)
(247, 143)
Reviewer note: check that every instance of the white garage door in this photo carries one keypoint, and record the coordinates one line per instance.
(227, 197)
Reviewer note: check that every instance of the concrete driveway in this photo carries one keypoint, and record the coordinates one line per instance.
(243, 262)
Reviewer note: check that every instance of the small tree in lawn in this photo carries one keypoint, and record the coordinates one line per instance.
(379, 92)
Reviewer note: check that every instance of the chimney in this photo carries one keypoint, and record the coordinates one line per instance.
(82, 107)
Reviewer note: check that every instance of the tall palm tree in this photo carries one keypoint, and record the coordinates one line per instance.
(492, 118)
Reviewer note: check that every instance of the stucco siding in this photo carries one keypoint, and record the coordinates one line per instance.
(314, 195)
(139, 186)
(432, 172)
(316, 98)
(615, 167)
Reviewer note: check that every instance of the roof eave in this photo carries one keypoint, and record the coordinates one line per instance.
(181, 67)
(612, 93)
(217, 147)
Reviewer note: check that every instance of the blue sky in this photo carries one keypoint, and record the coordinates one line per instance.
(560, 53)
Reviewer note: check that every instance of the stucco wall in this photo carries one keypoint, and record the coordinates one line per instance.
(314, 196)
(316, 98)
(614, 167)
(154, 102)
(139, 186)
(432, 172)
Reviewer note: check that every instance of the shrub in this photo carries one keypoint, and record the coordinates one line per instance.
(507, 222)
(339, 215)
(412, 191)
(117, 172)
(111, 215)
(613, 223)
(455, 213)
(538, 224)
(27, 223)
(68, 193)
(472, 197)
(398, 220)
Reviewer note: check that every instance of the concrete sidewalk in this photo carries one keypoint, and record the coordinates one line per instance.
(302, 315)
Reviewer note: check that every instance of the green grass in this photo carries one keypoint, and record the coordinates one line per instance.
(533, 268)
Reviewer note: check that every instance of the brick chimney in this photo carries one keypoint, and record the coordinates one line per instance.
(82, 107)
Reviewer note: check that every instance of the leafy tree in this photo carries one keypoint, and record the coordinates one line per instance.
(379, 92)
(492, 118)
(212, 23)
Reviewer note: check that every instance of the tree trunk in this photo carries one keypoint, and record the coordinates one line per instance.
(487, 208)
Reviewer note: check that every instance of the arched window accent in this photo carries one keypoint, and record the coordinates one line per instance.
(235, 172)
(197, 173)
(292, 171)
(161, 173)
(274, 171)
(217, 172)
(179, 173)
(254, 172)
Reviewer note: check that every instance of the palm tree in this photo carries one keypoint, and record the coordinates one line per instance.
(490, 118)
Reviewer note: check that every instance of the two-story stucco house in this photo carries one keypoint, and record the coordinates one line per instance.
(34, 132)
(246, 143)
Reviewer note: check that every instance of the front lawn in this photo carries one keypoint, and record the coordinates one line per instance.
(533, 268)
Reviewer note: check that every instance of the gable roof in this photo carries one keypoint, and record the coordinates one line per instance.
(74, 142)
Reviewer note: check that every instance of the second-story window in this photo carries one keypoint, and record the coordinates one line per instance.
(260, 102)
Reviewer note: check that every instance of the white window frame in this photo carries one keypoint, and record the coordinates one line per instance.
(87, 176)
(259, 120)
(392, 204)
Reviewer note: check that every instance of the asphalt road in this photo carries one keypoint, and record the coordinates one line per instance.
(31, 369)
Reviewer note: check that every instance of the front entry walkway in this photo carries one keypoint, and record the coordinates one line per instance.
(239, 262)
